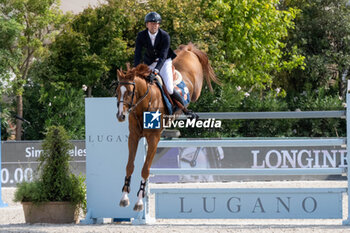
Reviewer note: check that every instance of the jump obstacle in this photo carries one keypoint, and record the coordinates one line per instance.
(107, 150)
(2, 204)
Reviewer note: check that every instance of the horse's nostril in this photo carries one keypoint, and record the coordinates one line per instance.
(121, 117)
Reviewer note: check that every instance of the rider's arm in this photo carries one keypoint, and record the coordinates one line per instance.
(138, 50)
(163, 54)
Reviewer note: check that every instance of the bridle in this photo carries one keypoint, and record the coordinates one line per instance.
(131, 105)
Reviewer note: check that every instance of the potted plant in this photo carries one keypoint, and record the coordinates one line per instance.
(55, 195)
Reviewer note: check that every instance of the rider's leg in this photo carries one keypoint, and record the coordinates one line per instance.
(167, 74)
(176, 96)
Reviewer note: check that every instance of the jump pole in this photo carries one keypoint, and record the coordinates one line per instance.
(347, 221)
(2, 204)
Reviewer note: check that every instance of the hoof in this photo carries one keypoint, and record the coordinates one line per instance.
(138, 207)
(124, 203)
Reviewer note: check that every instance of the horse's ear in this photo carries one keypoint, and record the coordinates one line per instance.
(120, 74)
(127, 66)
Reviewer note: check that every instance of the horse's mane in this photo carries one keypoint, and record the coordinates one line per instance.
(142, 70)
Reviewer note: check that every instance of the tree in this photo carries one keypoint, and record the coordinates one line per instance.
(40, 21)
(9, 32)
(244, 41)
(322, 35)
(90, 48)
(85, 53)
(49, 103)
(253, 34)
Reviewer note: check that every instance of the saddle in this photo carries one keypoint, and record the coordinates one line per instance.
(180, 87)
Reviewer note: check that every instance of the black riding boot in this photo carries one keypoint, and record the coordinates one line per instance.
(176, 96)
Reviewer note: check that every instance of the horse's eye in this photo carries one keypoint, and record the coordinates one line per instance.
(129, 93)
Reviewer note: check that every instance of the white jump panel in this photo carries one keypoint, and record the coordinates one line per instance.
(249, 203)
(106, 158)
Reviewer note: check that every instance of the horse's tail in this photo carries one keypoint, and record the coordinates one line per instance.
(208, 71)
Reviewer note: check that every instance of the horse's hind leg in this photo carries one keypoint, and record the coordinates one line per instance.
(152, 141)
(132, 143)
(140, 194)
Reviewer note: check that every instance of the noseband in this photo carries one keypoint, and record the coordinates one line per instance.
(131, 105)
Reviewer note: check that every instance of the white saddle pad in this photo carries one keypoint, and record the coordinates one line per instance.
(177, 78)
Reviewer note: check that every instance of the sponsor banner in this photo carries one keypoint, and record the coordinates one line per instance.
(19, 160)
(254, 157)
(297, 203)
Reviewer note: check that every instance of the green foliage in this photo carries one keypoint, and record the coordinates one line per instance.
(243, 39)
(65, 107)
(255, 47)
(34, 111)
(4, 117)
(252, 40)
(25, 28)
(322, 35)
(262, 101)
(52, 103)
(56, 182)
(9, 31)
(315, 101)
(265, 127)
(89, 48)
(29, 192)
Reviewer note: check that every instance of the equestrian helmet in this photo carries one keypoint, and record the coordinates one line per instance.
(153, 17)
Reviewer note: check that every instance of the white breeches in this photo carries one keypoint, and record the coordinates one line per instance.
(167, 74)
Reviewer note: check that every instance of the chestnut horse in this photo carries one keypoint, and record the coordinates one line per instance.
(137, 95)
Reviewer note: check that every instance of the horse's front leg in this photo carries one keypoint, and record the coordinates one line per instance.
(152, 141)
(133, 142)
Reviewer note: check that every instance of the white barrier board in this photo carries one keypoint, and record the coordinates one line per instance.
(249, 203)
(106, 158)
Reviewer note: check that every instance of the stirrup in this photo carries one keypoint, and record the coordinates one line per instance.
(142, 188)
(127, 184)
(190, 113)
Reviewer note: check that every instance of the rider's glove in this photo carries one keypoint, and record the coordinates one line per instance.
(152, 77)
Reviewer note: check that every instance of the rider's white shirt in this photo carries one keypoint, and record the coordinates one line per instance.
(153, 37)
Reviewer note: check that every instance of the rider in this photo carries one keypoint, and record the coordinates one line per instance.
(158, 55)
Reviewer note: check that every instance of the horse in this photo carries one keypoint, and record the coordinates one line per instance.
(136, 94)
